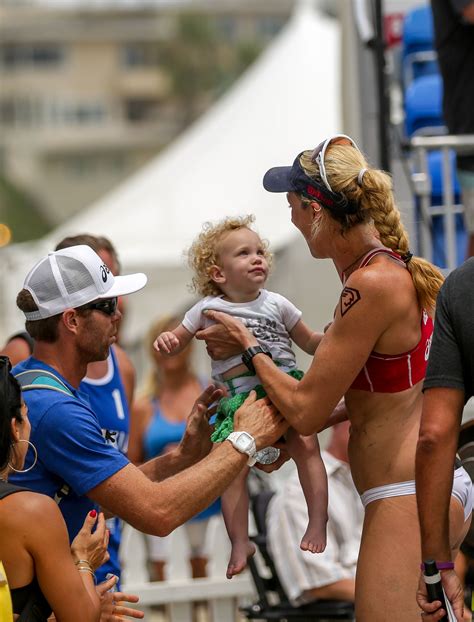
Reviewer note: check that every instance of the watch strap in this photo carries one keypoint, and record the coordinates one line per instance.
(249, 353)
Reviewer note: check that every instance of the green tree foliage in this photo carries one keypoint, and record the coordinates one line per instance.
(20, 213)
(201, 65)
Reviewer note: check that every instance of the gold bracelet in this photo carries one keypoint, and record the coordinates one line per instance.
(84, 562)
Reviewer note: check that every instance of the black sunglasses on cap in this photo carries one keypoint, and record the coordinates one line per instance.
(107, 306)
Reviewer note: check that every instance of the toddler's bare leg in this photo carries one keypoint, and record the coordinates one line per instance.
(235, 508)
(305, 452)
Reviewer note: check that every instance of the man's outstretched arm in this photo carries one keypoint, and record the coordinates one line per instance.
(159, 507)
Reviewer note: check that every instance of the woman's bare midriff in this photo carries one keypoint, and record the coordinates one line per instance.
(384, 434)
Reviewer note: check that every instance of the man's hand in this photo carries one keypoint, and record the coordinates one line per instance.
(454, 592)
(261, 419)
(112, 607)
(196, 442)
(227, 338)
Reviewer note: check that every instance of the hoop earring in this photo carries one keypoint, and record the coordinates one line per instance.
(23, 440)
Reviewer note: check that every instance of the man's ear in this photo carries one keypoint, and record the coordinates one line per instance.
(217, 274)
(70, 320)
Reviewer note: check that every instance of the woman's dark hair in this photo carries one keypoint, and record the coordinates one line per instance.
(10, 408)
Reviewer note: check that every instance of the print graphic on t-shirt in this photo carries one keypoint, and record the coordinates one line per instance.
(262, 328)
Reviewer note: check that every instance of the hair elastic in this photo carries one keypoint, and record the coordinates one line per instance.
(407, 256)
(360, 176)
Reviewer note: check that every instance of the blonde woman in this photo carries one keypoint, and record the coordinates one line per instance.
(374, 354)
(158, 424)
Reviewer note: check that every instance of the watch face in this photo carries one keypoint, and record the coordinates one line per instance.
(244, 442)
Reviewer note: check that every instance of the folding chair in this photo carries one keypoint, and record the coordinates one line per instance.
(423, 106)
(418, 55)
(268, 585)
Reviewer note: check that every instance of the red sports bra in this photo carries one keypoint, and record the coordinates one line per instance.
(391, 373)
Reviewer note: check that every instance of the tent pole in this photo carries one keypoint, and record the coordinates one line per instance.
(382, 88)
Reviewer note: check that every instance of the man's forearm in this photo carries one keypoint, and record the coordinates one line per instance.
(434, 481)
(169, 464)
(435, 455)
(194, 489)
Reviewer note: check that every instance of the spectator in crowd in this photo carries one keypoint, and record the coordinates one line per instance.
(110, 386)
(18, 347)
(159, 418)
(448, 385)
(70, 303)
(33, 536)
(454, 41)
(331, 574)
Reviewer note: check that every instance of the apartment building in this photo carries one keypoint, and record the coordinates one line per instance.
(86, 93)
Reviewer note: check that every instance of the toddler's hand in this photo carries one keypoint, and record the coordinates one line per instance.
(166, 342)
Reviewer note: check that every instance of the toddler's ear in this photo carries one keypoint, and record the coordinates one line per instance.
(217, 274)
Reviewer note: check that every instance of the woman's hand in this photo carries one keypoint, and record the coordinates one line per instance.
(92, 547)
(227, 338)
(112, 607)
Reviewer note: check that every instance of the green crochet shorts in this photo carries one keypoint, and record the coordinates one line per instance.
(224, 423)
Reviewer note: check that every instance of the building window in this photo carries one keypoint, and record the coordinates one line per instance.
(139, 55)
(141, 109)
(36, 55)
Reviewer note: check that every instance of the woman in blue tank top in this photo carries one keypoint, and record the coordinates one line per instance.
(159, 421)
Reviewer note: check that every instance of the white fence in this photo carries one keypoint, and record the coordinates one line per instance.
(223, 596)
(178, 593)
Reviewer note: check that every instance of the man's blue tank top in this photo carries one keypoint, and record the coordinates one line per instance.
(109, 402)
(159, 434)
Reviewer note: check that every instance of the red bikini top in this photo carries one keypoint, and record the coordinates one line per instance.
(391, 373)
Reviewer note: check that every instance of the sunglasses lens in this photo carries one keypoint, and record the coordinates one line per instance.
(108, 306)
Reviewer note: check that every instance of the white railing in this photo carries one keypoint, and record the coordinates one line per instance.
(223, 597)
(421, 145)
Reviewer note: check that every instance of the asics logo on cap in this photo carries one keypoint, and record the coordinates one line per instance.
(104, 270)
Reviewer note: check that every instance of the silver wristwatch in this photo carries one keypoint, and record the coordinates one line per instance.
(245, 443)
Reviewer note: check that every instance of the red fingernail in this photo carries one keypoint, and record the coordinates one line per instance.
(93, 513)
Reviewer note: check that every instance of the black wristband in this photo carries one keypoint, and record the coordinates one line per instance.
(248, 355)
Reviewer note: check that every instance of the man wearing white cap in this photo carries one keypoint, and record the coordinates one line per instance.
(70, 303)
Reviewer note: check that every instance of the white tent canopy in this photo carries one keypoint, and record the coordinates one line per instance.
(287, 101)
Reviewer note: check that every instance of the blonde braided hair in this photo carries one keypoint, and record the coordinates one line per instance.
(376, 203)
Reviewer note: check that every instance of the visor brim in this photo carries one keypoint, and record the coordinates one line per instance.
(278, 179)
(126, 284)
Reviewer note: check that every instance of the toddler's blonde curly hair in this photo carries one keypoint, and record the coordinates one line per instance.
(202, 254)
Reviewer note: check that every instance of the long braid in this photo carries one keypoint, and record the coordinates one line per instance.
(374, 196)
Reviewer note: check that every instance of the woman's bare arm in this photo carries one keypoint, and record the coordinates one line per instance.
(308, 404)
(70, 593)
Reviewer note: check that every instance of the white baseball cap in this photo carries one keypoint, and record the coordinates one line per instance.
(72, 277)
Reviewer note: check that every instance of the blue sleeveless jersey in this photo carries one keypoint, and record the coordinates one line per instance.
(159, 434)
(109, 402)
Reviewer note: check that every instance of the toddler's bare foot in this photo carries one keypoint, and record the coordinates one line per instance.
(314, 540)
(241, 551)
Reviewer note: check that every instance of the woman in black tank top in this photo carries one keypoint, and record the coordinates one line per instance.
(43, 572)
